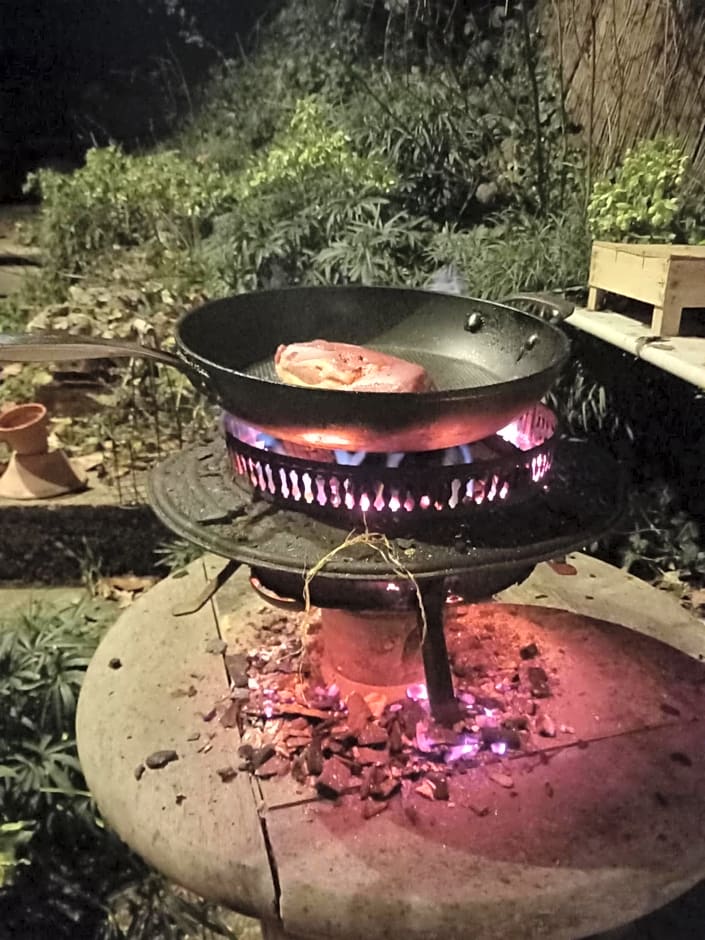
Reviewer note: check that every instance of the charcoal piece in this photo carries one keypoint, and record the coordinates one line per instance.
(358, 712)
(295, 741)
(331, 746)
(227, 774)
(384, 787)
(372, 736)
(670, 709)
(507, 736)
(261, 754)
(678, 757)
(237, 665)
(272, 767)
(245, 751)
(546, 726)
(501, 779)
(229, 718)
(409, 716)
(395, 740)
(299, 770)
(194, 736)
(180, 797)
(372, 808)
(160, 759)
(209, 715)
(439, 783)
(538, 680)
(369, 755)
(490, 702)
(139, 771)
(521, 723)
(314, 756)
(368, 778)
(216, 646)
(115, 663)
(334, 779)
(530, 651)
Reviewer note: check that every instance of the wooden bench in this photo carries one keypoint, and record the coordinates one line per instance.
(669, 277)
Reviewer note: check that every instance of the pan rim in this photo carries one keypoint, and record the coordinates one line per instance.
(490, 390)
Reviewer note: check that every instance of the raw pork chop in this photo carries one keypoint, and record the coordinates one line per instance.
(320, 364)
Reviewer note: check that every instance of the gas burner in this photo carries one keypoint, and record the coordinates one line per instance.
(193, 494)
(396, 488)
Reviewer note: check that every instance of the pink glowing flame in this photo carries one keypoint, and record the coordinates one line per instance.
(417, 692)
(468, 747)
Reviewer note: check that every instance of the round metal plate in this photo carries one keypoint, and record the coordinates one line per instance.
(194, 494)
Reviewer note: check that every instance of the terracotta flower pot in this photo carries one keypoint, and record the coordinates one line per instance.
(25, 428)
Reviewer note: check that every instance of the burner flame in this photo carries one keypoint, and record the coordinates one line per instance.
(310, 476)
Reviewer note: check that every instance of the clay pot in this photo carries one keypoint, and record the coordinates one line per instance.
(25, 428)
(34, 472)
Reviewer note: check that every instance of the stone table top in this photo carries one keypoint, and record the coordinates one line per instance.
(595, 830)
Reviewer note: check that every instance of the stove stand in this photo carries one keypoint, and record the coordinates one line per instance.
(194, 494)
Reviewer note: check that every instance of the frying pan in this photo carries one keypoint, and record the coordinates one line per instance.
(490, 362)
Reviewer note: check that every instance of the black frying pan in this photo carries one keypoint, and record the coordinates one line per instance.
(490, 362)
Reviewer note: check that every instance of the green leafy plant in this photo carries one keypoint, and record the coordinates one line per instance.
(61, 873)
(123, 199)
(646, 199)
(524, 252)
(304, 195)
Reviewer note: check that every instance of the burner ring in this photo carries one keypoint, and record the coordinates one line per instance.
(415, 490)
(193, 493)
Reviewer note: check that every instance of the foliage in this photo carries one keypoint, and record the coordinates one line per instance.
(61, 873)
(462, 136)
(526, 252)
(122, 199)
(660, 536)
(312, 209)
(647, 199)
(175, 554)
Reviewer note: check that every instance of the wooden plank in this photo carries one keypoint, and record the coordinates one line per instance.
(682, 356)
(637, 276)
(655, 251)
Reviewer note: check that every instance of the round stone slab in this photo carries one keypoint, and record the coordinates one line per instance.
(590, 832)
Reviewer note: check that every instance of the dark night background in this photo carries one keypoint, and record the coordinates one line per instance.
(80, 72)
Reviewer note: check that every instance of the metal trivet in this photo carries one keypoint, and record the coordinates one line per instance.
(408, 494)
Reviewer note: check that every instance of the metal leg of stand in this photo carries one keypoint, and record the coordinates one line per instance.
(439, 682)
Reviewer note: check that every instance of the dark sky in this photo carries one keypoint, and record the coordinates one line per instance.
(62, 60)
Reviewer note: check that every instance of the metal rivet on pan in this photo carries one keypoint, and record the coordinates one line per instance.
(474, 323)
(532, 341)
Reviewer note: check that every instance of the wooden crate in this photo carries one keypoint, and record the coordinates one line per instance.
(669, 277)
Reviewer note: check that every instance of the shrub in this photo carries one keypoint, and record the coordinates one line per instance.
(121, 199)
(524, 253)
(312, 208)
(61, 873)
(647, 198)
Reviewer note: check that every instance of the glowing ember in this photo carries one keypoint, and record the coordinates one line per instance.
(417, 692)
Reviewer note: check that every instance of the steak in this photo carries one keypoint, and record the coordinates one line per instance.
(342, 366)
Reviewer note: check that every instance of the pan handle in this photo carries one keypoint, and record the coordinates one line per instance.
(550, 306)
(63, 347)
